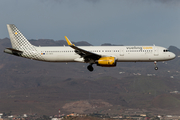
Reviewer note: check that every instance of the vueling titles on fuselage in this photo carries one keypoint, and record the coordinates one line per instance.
(105, 56)
(138, 48)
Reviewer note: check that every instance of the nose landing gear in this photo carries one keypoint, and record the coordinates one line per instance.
(155, 63)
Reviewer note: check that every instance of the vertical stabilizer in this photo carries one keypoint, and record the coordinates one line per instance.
(18, 40)
(20, 45)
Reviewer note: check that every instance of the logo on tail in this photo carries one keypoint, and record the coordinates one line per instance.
(20, 45)
(18, 40)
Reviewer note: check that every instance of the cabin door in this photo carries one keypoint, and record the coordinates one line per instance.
(122, 51)
(156, 53)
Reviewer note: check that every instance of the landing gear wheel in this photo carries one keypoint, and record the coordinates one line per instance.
(90, 68)
(156, 68)
(155, 63)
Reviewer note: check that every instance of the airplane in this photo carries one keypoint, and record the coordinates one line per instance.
(105, 56)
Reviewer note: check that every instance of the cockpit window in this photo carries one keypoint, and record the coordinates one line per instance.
(166, 50)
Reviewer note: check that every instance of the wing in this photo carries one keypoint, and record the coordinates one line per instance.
(87, 55)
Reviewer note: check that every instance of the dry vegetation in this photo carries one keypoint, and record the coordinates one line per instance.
(28, 86)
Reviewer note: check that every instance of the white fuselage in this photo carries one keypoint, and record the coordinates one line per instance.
(121, 53)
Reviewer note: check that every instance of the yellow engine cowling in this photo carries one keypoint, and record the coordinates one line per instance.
(107, 62)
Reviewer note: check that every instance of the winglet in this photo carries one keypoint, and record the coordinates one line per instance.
(69, 42)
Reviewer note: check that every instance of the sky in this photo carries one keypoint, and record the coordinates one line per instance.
(121, 22)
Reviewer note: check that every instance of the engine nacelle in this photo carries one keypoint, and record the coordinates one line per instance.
(106, 62)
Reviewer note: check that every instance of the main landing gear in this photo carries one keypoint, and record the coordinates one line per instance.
(155, 63)
(90, 68)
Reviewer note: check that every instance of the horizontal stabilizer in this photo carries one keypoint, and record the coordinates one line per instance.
(13, 51)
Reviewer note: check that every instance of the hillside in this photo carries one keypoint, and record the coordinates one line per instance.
(43, 87)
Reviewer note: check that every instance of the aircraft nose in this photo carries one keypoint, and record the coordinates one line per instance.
(172, 55)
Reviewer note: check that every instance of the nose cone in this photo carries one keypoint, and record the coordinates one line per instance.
(172, 55)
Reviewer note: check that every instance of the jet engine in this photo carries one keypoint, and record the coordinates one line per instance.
(106, 62)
